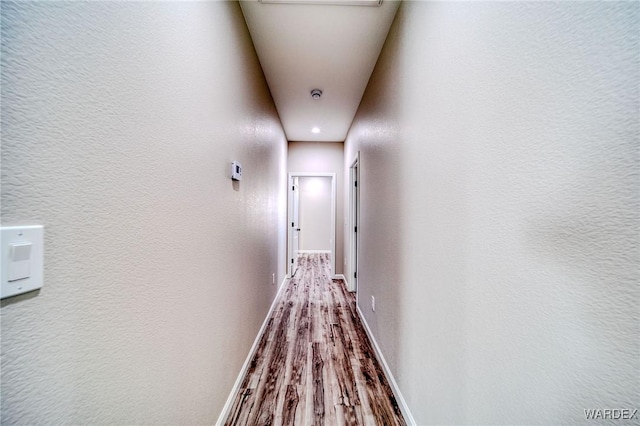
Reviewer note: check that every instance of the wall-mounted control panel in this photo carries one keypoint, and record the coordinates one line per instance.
(22, 259)
(236, 170)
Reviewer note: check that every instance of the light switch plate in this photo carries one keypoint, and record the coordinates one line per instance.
(13, 240)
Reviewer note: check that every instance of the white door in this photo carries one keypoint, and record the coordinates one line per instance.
(295, 225)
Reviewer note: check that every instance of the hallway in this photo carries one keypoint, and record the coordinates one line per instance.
(315, 363)
(486, 211)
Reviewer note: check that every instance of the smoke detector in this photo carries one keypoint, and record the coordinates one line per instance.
(316, 93)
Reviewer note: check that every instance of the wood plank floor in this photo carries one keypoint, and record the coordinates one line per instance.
(314, 364)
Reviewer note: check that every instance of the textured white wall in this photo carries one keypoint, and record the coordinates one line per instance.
(315, 213)
(323, 157)
(119, 122)
(500, 209)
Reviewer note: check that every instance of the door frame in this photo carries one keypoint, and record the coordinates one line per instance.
(290, 215)
(354, 219)
(294, 242)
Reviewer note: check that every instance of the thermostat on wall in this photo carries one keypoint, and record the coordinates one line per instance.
(236, 171)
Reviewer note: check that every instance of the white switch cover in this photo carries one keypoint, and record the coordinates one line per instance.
(22, 259)
(19, 261)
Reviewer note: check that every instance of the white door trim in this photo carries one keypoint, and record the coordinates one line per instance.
(290, 215)
(354, 213)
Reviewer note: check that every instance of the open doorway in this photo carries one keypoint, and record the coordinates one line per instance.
(312, 216)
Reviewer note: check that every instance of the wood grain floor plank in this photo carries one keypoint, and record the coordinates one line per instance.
(318, 385)
(314, 364)
(290, 405)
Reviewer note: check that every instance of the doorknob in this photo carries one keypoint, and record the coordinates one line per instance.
(297, 229)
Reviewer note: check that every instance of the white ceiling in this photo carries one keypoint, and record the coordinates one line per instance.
(318, 46)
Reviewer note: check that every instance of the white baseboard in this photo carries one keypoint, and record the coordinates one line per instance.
(314, 251)
(341, 277)
(408, 417)
(236, 387)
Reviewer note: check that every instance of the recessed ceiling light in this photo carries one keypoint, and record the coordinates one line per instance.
(316, 130)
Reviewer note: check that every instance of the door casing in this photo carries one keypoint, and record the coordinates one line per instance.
(354, 219)
(291, 229)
